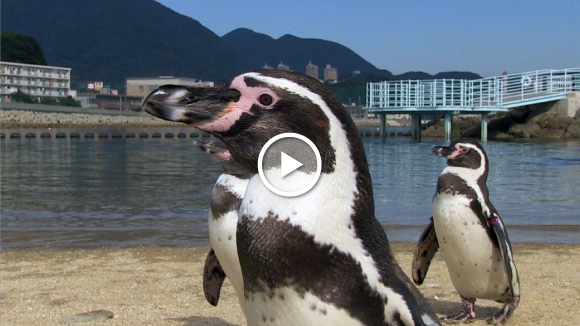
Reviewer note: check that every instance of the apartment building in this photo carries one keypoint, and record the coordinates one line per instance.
(34, 80)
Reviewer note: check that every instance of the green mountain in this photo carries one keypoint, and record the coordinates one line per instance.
(110, 40)
(21, 48)
(298, 52)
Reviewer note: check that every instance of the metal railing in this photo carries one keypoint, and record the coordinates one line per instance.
(489, 94)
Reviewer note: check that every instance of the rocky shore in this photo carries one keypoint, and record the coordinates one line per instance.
(521, 122)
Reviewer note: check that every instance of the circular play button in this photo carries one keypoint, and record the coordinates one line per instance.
(289, 164)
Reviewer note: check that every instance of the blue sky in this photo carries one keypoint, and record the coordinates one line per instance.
(485, 37)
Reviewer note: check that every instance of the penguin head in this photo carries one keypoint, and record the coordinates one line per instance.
(255, 107)
(463, 153)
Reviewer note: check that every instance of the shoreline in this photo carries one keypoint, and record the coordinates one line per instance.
(162, 286)
(30, 119)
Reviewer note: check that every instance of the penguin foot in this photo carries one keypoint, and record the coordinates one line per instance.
(502, 316)
(466, 315)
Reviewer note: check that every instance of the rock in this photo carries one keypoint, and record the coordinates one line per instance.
(573, 130)
(85, 317)
(528, 130)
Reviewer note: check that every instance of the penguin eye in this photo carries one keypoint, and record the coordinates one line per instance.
(464, 150)
(265, 99)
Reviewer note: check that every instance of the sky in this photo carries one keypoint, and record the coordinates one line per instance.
(486, 37)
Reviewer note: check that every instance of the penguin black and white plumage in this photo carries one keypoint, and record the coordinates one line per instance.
(320, 258)
(228, 191)
(470, 235)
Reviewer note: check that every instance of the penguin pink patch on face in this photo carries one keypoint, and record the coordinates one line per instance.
(458, 151)
(249, 96)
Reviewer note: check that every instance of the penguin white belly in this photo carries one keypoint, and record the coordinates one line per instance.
(474, 264)
(287, 307)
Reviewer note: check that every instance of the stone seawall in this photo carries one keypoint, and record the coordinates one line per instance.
(16, 124)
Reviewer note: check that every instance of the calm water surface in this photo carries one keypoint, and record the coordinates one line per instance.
(119, 192)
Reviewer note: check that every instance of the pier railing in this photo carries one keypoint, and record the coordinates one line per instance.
(488, 94)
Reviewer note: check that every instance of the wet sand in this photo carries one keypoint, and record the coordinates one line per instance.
(162, 286)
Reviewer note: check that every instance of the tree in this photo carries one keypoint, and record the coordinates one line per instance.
(19, 96)
(21, 48)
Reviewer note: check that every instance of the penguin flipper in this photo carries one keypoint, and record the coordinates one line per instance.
(505, 248)
(213, 278)
(426, 249)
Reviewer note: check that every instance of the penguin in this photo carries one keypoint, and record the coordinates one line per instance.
(228, 191)
(470, 235)
(321, 258)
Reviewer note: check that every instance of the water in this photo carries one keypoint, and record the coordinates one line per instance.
(123, 192)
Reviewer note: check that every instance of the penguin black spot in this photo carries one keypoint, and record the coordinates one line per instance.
(312, 306)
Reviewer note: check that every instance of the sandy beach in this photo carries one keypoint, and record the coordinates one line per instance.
(163, 286)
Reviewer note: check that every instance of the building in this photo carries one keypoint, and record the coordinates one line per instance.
(143, 86)
(266, 66)
(284, 67)
(35, 80)
(330, 74)
(312, 70)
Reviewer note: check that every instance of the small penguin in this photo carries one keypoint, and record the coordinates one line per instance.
(470, 235)
(222, 260)
(320, 258)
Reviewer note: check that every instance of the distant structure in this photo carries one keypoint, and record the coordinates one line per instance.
(142, 86)
(330, 74)
(284, 67)
(35, 80)
(312, 70)
(266, 66)
(356, 73)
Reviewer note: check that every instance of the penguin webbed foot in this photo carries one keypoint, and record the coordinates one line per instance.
(504, 314)
(466, 315)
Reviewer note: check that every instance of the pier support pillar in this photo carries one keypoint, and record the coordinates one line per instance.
(383, 125)
(484, 126)
(448, 126)
(416, 126)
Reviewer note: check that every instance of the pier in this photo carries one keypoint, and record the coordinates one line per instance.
(448, 97)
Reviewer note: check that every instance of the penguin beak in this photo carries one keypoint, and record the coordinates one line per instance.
(447, 152)
(189, 104)
(213, 149)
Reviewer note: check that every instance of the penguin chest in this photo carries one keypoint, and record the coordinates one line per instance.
(302, 263)
(473, 261)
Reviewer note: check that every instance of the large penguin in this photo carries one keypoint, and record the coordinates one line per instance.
(320, 258)
(227, 194)
(470, 235)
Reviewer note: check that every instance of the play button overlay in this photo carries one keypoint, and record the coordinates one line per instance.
(289, 164)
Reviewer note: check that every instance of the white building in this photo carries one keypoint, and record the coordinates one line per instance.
(143, 86)
(34, 80)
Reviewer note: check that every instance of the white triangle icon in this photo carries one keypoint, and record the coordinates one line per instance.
(288, 164)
